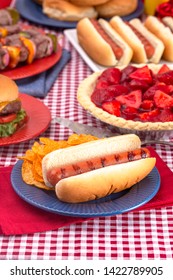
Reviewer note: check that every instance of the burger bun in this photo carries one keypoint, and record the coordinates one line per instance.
(8, 89)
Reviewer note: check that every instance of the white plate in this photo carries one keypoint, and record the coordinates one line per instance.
(71, 35)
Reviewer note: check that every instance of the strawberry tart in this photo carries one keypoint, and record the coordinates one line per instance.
(132, 97)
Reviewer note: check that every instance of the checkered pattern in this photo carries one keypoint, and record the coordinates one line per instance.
(135, 235)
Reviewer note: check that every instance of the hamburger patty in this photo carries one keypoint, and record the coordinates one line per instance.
(12, 107)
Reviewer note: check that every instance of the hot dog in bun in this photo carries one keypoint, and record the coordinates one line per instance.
(96, 169)
(102, 43)
(163, 29)
(145, 45)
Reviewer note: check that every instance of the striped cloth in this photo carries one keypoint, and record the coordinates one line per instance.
(145, 234)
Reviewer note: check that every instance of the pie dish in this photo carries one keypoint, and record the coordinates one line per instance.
(85, 98)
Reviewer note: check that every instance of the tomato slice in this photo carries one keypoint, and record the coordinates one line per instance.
(7, 118)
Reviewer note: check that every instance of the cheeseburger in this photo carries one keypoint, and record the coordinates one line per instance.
(12, 116)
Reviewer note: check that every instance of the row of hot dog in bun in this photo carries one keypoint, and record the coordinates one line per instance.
(119, 42)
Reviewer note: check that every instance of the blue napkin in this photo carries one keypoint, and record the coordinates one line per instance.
(39, 85)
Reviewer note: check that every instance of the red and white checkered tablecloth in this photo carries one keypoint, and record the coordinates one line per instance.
(136, 235)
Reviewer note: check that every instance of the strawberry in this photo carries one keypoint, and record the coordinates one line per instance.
(111, 75)
(166, 77)
(163, 100)
(138, 84)
(149, 93)
(107, 94)
(143, 73)
(129, 113)
(147, 105)
(133, 99)
(118, 89)
(112, 107)
(164, 68)
(101, 83)
(150, 116)
(101, 95)
(126, 72)
(166, 116)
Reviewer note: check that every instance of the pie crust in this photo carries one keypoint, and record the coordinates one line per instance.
(84, 93)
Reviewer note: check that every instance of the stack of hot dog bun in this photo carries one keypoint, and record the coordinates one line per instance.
(96, 169)
(74, 10)
(117, 42)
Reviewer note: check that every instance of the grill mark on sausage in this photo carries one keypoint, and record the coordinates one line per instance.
(117, 158)
(77, 169)
(103, 161)
(63, 172)
(143, 153)
(131, 156)
(90, 165)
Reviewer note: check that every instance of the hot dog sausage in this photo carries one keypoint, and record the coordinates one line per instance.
(54, 175)
(116, 49)
(149, 49)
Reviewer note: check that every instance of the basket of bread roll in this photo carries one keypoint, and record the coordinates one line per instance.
(74, 10)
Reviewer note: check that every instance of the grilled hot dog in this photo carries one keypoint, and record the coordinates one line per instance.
(54, 175)
(95, 169)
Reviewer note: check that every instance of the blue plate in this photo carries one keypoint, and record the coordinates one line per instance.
(111, 205)
(33, 12)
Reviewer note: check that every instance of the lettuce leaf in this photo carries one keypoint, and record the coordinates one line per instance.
(8, 129)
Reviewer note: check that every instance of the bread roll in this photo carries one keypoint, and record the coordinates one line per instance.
(116, 7)
(66, 11)
(88, 2)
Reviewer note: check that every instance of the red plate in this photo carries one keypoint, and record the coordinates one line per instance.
(39, 118)
(35, 68)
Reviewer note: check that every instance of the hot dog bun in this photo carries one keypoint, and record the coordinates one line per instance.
(66, 11)
(102, 182)
(160, 27)
(97, 47)
(137, 45)
(116, 8)
(98, 182)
